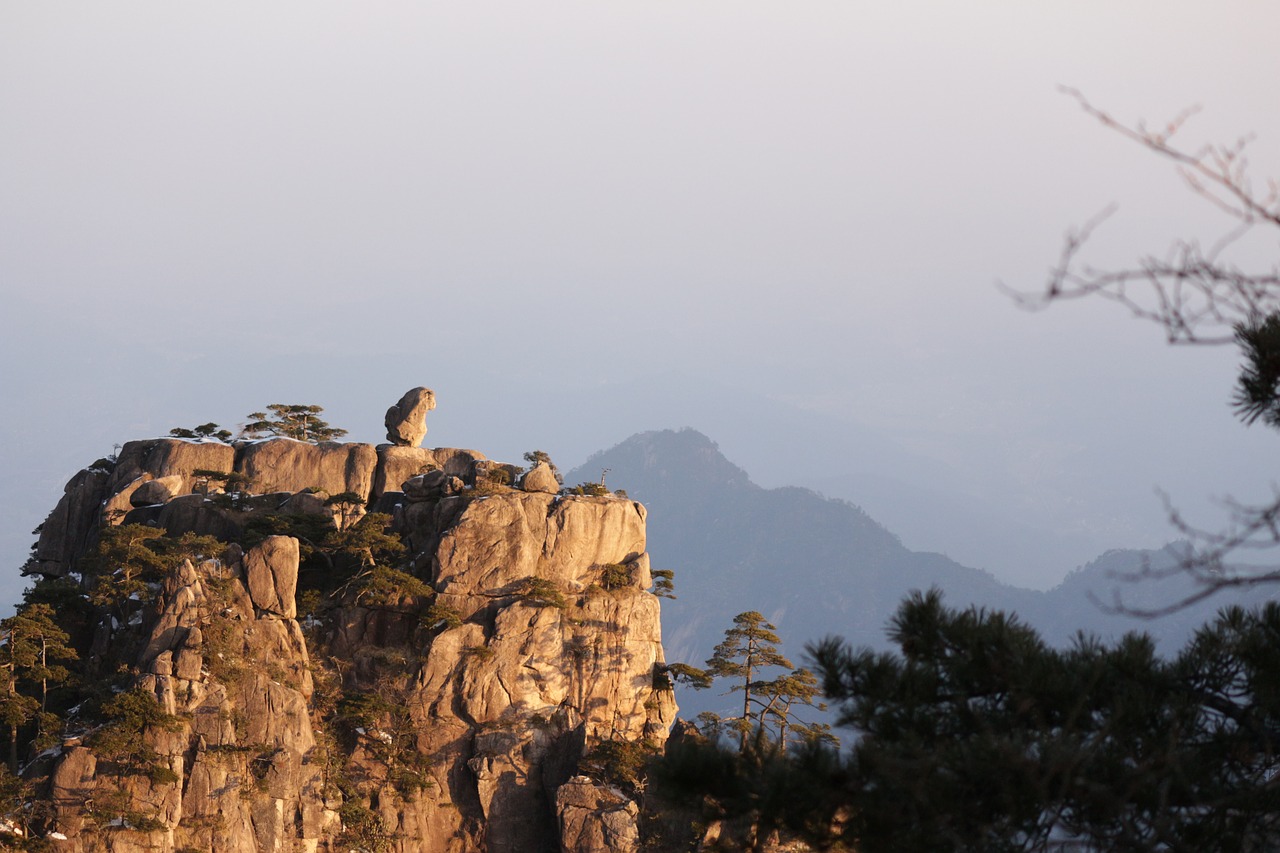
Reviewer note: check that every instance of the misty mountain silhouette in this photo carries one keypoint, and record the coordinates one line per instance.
(816, 566)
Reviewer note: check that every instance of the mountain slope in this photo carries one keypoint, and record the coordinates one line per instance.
(816, 566)
(812, 565)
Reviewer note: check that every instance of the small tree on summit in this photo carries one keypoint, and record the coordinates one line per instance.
(209, 430)
(534, 457)
(291, 421)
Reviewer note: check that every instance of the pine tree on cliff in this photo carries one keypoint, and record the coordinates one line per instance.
(32, 650)
(748, 647)
(291, 421)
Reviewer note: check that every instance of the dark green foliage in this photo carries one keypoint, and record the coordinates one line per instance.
(31, 658)
(664, 583)
(379, 720)
(362, 829)
(439, 616)
(777, 701)
(131, 559)
(124, 564)
(541, 592)
(747, 648)
(480, 653)
(232, 481)
(533, 457)
(1258, 387)
(112, 811)
(347, 504)
(121, 740)
(310, 530)
(187, 546)
(366, 543)
(491, 480)
(209, 430)
(291, 421)
(21, 809)
(389, 589)
(66, 598)
(691, 675)
(621, 763)
(978, 736)
(615, 576)
(757, 793)
(593, 490)
(312, 604)
(358, 559)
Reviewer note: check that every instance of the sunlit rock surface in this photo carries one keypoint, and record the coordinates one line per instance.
(486, 707)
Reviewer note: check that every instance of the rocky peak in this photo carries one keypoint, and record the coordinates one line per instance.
(426, 674)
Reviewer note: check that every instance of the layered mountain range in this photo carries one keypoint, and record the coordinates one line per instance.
(816, 566)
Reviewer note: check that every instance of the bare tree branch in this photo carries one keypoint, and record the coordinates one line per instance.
(1197, 297)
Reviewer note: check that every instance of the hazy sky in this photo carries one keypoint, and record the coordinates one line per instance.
(779, 223)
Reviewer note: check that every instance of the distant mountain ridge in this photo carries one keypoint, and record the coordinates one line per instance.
(816, 566)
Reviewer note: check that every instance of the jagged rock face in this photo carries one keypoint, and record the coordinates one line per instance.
(407, 420)
(495, 704)
(67, 532)
(242, 754)
(505, 538)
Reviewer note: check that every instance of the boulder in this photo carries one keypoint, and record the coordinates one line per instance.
(196, 514)
(73, 782)
(166, 457)
(282, 464)
(396, 464)
(118, 504)
(158, 491)
(433, 484)
(304, 503)
(271, 571)
(407, 420)
(540, 478)
(596, 819)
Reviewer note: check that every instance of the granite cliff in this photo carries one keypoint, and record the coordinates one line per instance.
(295, 646)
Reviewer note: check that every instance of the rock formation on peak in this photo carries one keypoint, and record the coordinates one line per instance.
(332, 647)
(407, 419)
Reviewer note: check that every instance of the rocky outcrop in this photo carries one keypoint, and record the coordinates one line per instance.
(68, 531)
(442, 704)
(161, 474)
(596, 819)
(407, 420)
(270, 569)
(234, 769)
(283, 464)
(398, 464)
(169, 457)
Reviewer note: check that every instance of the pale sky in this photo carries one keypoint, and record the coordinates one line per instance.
(781, 224)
